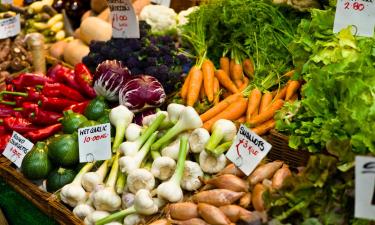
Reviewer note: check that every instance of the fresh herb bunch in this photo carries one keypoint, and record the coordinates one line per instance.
(153, 55)
(319, 195)
(338, 98)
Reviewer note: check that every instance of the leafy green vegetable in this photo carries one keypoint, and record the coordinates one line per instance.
(338, 98)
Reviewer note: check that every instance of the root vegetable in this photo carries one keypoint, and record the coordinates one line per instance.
(174, 111)
(183, 210)
(210, 163)
(93, 28)
(280, 175)
(265, 171)
(257, 197)
(193, 221)
(161, 222)
(232, 169)
(95, 216)
(190, 180)
(245, 201)
(198, 139)
(57, 49)
(140, 179)
(212, 214)
(91, 179)
(132, 219)
(235, 213)
(133, 131)
(163, 167)
(82, 210)
(222, 130)
(229, 182)
(120, 117)
(217, 197)
(74, 52)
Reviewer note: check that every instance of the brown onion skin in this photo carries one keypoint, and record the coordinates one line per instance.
(265, 171)
(235, 213)
(217, 197)
(229, 182)
(245, 201)
(280, 175)
(212, 214)
(257, 197)
(183, 210)
(232, 169)
(193, 221)
(161, 222)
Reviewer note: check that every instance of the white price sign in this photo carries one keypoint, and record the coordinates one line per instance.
(357, 13)
(162, 2)
(6, 1)
(10, 27)
(17, 148)
(94, 143)
(124, 19)
(365, 187)
(247, 150)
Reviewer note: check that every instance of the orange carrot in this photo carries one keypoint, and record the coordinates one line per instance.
(280, 94)
(293, 98)
(220, 107)
(224, 64)
(242, 119)
(264, 127)
(254, 101)
(225, 81)
(248, 67)
(216, 91)
(245, 83)
(185, 87)
(195, 86)
(232, 112)
(289, 73)
(266, 101)
(292, 88)
(202, 94)
(267, 114)
(208, 70)
(231, 63)
(237, 74)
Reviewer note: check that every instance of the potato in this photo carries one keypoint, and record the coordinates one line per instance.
(57, 49)
(75, 51)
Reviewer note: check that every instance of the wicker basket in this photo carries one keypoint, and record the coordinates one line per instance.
(281, 150)
(46, 202)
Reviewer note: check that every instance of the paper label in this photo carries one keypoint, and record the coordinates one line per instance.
(124, 19)
(365, 187)
(94, 143)
(10, 27)
(17, 148)
(6, 1)
(162, 2)
(357, 13)
(247, 150)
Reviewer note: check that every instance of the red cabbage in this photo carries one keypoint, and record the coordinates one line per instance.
(138, 118)
(142, 92)
(109, 77)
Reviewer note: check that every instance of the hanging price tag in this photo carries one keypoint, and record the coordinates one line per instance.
(247, 150)
(10, 27)
(94, 143)
(124, 19)
(365, 187)
(17, 148)
(162, 2)
(357, 13)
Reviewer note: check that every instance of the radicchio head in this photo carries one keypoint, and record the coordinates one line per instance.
(109, 77)
(142, 92)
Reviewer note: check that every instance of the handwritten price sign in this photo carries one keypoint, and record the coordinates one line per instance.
(162, 2)
(10, 27)
(124, 19)
(94, 143)
(365, 187)
(17, 148)
(248, 150)
(357, 13)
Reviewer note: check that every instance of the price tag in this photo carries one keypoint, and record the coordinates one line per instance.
(17, 148)
(124, 19)
(357, 13)
(10, 27)
(247, 150)
(6, 1)
(162, 2)
(364, 187)
(94, 143)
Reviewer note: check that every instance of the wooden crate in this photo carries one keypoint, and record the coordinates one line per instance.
(46, 202)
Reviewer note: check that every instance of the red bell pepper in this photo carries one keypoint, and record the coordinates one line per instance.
(61, 90)
(55, 104)
(43, 133)
(78, 108)
(55, 70)
(4, 139)
(29, 80)
(39, 116)
(84, 79)
(18, 124)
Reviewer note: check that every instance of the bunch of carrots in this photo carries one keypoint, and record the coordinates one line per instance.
(256, 110)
